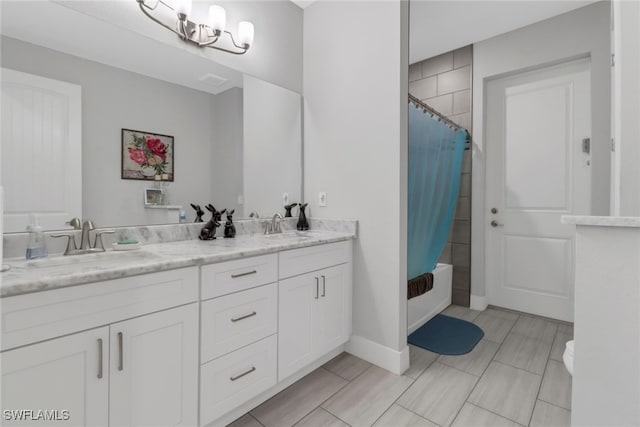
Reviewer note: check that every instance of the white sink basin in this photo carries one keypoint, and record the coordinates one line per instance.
(81, 259)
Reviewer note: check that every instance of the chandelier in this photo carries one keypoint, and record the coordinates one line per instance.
(202, 35)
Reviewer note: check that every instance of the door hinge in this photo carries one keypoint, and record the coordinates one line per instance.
(613, 145)
(613, 59)
(586, 145)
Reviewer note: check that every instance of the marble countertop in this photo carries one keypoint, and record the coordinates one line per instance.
(57, 272)
(602, 221)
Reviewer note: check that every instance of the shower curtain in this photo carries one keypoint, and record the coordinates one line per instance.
(436, 150)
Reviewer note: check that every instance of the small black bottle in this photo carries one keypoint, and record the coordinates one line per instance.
(303, 224)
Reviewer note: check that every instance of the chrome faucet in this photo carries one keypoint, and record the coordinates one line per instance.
(85, 243)
(274, 226)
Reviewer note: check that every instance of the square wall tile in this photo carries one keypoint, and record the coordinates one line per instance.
(461, 231)
(466, 160)
(443, 104)
(463, 120)
(437, 64)
(461, 255)
(423, 88)
(462, 102)
(415, 72)
(465, 184)
(462, 57)
(461, 278)
(463, 208)
(462, 298)
(454, 81)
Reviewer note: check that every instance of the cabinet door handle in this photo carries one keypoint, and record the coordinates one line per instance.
(99, 358)
(120, 356)
(324, 286)
(235, 276)
(237, 377)
(253, 313)
(317, 288)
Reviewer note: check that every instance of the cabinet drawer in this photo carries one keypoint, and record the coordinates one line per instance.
(299, 261)
(231, 380)
(42, 315)
(233, 276)
(235, 320)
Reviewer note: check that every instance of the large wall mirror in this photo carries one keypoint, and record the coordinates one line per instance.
(237, 139)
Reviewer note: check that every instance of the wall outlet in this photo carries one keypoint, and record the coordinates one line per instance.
(285, 199)
(322, 199)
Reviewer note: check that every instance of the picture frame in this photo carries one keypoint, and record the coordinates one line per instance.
(147, 156)
(153, 196)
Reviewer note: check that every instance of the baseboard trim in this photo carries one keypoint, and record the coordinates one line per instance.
(478, 303)
(387, 358)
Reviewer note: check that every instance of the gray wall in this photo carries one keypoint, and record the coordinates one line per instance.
(227, 155)
(113, 99)
(444, 83)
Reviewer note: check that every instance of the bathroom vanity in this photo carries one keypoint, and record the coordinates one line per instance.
(183, 333)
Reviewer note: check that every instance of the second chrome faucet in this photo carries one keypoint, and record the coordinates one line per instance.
(85, 242)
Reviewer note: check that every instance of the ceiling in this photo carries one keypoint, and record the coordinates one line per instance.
(441, 26)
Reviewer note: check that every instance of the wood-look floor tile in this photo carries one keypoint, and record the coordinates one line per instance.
(474, 416)
(556, 385)
(495, 328)
(507, 391)
(321, 418)
(503, 314)
(346, 366)
(565, 329)
(398, 416)
(419, 360)
(535, 327)
(559, 343)
(546, 415)
(474, 362)
(293, 403)
(439, 393)
(460, 312)
(245, 421)
(524, 352)
(367, 397)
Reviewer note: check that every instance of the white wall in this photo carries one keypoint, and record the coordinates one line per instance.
(113, 99)
(627, 108)
(227, 154)
(582, 32)
(272, 146)
(355, 149)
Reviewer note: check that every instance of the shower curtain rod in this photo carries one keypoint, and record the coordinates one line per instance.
(441, 116)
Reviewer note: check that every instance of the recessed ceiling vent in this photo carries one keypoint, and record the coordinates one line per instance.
(212, 80)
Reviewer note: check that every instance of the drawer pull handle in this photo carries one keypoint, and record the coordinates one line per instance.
(317, 288)
(99, 358)
(120, 356)
(324, 286)
(235, 276)
(253, 313)
(237, 377)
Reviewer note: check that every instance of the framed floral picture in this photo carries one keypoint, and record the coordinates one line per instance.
(147, 156)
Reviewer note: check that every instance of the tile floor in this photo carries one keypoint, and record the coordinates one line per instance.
(513, 377)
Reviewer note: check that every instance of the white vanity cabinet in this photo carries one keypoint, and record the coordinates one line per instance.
(139, 371)
(314, 307)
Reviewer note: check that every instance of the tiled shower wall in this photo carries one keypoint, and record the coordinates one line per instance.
(444, 83)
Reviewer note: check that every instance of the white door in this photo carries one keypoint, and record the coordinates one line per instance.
(154, 369)
(40, 150)
(67, 377)
(538, 169)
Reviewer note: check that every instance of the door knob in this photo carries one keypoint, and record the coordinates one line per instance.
(495, 224)
(494, 210)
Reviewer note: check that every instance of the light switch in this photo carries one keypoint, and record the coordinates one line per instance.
(322, 198)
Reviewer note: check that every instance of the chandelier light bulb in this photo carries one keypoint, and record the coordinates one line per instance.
(217, 18)
(183, 7)
(245, 33)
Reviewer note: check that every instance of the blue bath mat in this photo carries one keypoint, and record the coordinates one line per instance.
(447, 335)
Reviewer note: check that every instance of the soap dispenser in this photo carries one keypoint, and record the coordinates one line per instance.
(36, 247)
(303, 224)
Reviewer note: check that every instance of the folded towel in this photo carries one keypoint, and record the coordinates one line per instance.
(419, 285)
